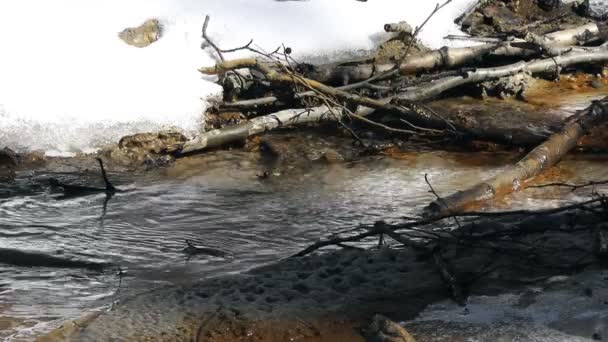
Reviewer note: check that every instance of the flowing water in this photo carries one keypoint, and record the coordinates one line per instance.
(68, 84)
(218, 201)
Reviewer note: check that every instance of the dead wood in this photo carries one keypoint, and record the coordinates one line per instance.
(400, 27)
(552, 65)
(290, 79)
(402, 102)
(223, 136)
(280, 73)
(538, 160)
(420, 231)
(446, 58)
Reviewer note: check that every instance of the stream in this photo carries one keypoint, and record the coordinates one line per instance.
(218, 201)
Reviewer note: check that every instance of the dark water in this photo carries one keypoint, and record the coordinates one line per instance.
(219, 202)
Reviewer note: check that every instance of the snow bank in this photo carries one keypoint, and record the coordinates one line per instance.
(68, 84)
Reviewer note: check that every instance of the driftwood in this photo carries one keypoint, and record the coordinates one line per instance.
(223, 136)
(290, 79)
(400, 96)
(549, 65)
(452, 57)
(538, 160)
(398, 104)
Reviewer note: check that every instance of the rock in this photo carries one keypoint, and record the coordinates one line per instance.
(383, 329)
(223, 119)
(332, 157)
(162, 142)
(285, 153)
(144, 35)
(502, 18)
(33, 158)
(596, 9)
(148, 149)
(506, 87)
(8, 164)
(394, 49)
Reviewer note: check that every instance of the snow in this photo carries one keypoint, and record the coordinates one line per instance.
(68, 84)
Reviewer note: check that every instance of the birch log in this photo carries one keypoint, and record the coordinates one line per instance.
(452, 57)
(534, 163)
(548, 65)
(219, 137)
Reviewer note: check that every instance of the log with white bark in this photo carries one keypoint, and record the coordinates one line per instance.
(452, 57)
(220, 137)
(539, 66)
(533, 164)
(445, 57)
(424, 92)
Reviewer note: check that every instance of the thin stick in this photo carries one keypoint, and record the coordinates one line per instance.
(574, 187)
(209, 41)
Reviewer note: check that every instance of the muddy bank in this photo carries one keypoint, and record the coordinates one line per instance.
(333, 295)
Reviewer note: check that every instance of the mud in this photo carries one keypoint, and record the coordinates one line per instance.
(332, 296)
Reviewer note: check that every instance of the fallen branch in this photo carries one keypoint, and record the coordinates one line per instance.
(573, 187)
(223, 136)
(548, 65)
(412, 95)
(209, 41)
(424, 234)
(534, 163)
(281, 78)
(269, 100)
(192, 250)
(453, 57)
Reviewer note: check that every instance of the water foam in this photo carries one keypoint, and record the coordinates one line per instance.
(68, 84)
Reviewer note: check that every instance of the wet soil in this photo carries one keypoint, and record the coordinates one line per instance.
(332, 296)
(506, 17)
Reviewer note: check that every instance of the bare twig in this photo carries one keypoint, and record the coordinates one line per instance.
(419, 28)
(209, 41)
(573, 187)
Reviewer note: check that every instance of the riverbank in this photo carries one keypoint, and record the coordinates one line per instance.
(318, 182)
(333, 295)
